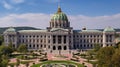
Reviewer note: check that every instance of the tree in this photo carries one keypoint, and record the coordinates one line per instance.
(3, 63)
(116, 58)
(90, 54)
(11, 46)
(22, 48)
(5, 50)
(3, 60)
(1, 39)
(96, 47)
(104, 56)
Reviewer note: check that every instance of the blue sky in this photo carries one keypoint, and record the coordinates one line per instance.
(89, 13)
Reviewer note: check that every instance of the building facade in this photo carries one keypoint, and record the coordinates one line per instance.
(60, 36)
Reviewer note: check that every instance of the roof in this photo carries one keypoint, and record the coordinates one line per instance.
(55, 29)
(91, 31)
(11, 29)
(59, 15)
(32, 31)
(109, 29)
(88, 30)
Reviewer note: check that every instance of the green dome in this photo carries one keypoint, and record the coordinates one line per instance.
(11, 29)
(59, 16)
(109, 29)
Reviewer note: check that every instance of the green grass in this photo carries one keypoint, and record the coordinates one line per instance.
(12, 64)
(49, 62)
(25, 62)
(93, 62)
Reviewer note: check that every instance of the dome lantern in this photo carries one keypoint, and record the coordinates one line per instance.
(59, 10)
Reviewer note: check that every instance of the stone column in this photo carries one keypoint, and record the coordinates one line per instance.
(104, 39)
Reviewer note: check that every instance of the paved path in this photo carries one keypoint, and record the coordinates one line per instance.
(53, 57)
(81, 60)
(14, 60)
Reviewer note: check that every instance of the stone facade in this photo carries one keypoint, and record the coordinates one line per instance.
(60, 36)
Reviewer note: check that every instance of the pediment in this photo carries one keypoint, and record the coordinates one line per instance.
(59, 30)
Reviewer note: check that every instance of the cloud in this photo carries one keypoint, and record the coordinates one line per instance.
(97, 22)
(10, 4)
(41, 20)
(35, 20)
(7, 5)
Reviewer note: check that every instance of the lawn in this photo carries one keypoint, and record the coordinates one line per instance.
(49, 62)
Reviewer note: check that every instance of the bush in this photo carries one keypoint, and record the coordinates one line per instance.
(43, 59)
(20, 57)
(74, 59)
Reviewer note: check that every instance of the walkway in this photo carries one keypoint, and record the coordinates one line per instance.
(81, 60)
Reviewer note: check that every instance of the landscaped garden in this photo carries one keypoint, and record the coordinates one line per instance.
(58, 64)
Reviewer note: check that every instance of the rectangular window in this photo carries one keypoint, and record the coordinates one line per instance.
(54, 39)
(59, 39)
(65, 39)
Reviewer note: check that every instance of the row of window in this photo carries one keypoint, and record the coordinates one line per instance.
(78, 36)
(89, 40)
(33, 41)
(33, 36)
(88, 46)
(30, 46)
(59, 39)
(59, 47)
(84, 46)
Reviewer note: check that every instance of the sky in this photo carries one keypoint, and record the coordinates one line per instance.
(92, 14)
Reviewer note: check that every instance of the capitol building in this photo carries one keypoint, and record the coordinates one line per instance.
(59, 35)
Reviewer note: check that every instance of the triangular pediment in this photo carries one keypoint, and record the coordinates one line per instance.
(59, 30)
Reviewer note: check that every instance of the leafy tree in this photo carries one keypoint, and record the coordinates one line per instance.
(104, 56)
(90, 54)
(1, 39)
(116, 58)
(22, 48)
(96, 47)
(3, 60)
(11, 46)
(5, 50)
(3, 63)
